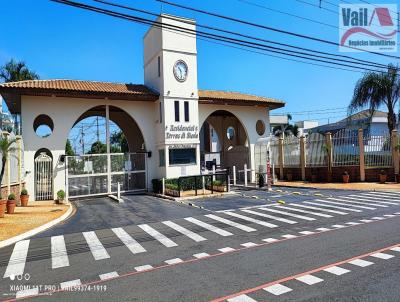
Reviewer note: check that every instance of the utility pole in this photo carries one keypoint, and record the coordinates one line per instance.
(97, 127)
(82, 141)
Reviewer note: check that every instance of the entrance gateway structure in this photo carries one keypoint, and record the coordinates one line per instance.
(172, 127)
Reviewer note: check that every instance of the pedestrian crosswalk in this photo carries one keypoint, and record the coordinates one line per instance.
(169, 234)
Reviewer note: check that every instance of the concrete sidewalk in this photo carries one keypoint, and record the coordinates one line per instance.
(368, 186)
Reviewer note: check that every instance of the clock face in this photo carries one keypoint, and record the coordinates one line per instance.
(180, 71)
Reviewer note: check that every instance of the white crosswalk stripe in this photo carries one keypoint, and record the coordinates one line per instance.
(27, 292)
(143, 268)
(342, 199)
(309, 279)
(319, 209)
(323, 229)
(209, 227)
(384, 194)
(373, 200)
(241, 298)
(382, 256)
(270, 216)
(184, 231)
(345, 204)
(107, 276)
(157, 235)
(366, 220)
(256, 221)
(304, 211)
(331, 206)
(361, 263)
(277, 289)
(59, 256)
(16, 264)
(270, 240)
(201, 255)
(226, 249)
(288, 214)
(97, 249)
(306, 232)
(336, 270)
(395, 249)
(379, 197)
(361, 200)
(231, 223)
(173, 261)
(289, 236)
(249, 244)
(130, 243)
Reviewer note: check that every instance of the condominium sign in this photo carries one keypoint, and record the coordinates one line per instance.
(371, 27)
(179, 132)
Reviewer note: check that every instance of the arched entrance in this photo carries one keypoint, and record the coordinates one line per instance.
(223, 141)
(105, 150)
(43, 175)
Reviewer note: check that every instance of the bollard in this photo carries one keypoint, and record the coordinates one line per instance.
(245, 175)
(213, 172)
(163, 186)
(234, 175)
(204, 185)
(118, 191)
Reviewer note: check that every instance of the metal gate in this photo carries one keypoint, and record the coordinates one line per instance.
(100, 174)
(43, 177)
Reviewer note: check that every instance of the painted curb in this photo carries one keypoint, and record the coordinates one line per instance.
(37, 230)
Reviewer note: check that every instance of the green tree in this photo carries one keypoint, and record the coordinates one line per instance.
(68, 149)
(98, 148)
(14, 71)
(119, 141)
(376, 89)
(7, 147)
(286, 130)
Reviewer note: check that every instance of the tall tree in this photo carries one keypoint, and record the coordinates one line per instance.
(14, 71)
(68, 149)
(119, 141)
(375, 90)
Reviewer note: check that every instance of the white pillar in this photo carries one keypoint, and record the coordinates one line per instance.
(234, 175)
(108, 148)
(163, 186)
(245, 175)
(213, 171)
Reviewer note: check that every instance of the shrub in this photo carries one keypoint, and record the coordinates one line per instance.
(61, 195)
(345, 173)
(172, 186)
(24, 192)
(218, 183)
(261, 181)
(382, 172)
(11, 196)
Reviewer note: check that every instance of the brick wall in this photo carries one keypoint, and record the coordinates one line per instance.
(372, 174)
(354, 172)
(14, 189)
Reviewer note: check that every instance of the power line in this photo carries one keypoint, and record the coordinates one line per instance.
(204, 34)
(270, 28)
(374, 64)
(249, 37)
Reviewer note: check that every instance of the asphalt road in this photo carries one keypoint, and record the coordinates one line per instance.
(255, 249)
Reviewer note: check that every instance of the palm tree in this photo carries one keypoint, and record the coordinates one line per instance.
(286, 130)
(377, 89)
(16, 71)
(6, 147)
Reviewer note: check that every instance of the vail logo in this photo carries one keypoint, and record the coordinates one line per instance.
(370, 27)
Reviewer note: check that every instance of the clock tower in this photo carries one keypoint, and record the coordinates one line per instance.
(170, 68)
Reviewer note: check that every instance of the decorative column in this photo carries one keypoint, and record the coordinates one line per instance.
(19, 151)
(108, 149)
(280, 158)
(303, 157)
(361, 152)
(395, 153)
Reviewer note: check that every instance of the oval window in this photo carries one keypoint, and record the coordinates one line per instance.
(43, 125)
(230, 133)
(260, 127)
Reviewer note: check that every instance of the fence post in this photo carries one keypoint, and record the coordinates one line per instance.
(303, 157)
(361, 151)
(245, 174)
(163, 186)
(204, 185)
(234, 175)
(195, 185)
(395, 153)
(328, 139)
(280, 157)
(213, 172)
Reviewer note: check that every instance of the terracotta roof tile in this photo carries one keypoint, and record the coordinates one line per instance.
(78, 88)
(237, 96)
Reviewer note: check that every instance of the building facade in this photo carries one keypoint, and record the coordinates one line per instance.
(166, 121)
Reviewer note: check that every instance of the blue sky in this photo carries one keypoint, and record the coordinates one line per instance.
(64, 42)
